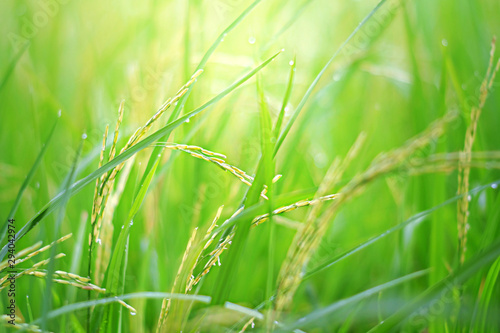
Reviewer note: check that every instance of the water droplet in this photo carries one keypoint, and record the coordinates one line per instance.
(444, 42)
(494, 186)
(320, 160)
(282, 50)
(218, 261)
(131, 223)
(187, 120)
(469, 198)
(132, 313)
(59, 113)
(251, 40)
(84, 136)
(253, 324)
(291, 63)
(98, 241)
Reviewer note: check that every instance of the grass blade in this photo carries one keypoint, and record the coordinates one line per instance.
(25, 183)
(288, 93)
(322, 313)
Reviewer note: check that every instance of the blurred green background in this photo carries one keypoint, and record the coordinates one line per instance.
(411, 63)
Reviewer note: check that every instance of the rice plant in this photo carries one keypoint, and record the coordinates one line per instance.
(249, 166)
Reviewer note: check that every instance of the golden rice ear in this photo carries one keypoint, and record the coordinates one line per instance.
(4, 282)
(213, 157)
(32, 251)
(302, 203)
(208, 239)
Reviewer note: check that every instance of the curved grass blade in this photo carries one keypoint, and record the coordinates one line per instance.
(461, 275)
(244, 310)
(26, 181)
(103, 301)
(318, 77)
(322, 313)
(77, 186)
(412, 220)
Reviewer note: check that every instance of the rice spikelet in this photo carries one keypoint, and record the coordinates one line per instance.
(464, 167)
